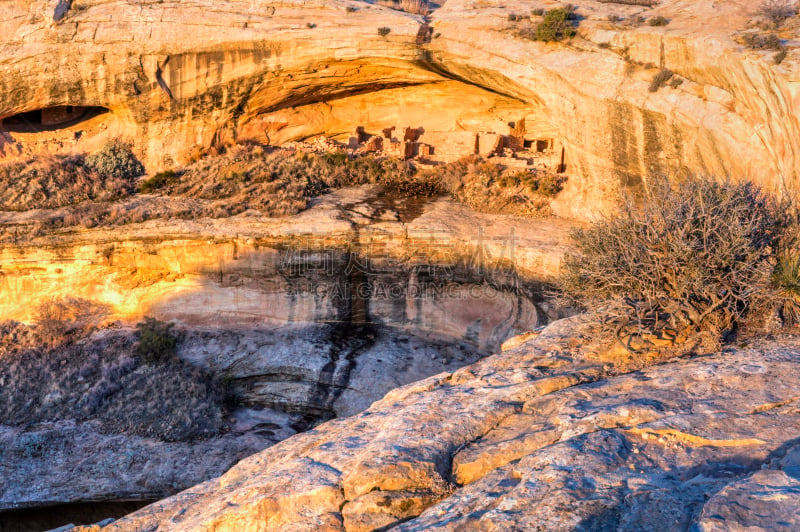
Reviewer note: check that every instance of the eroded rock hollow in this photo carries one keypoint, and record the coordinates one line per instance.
(365, 357)
(204, 74)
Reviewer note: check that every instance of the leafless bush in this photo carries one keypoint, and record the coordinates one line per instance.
(692, 258)
(415, 7)
(777, 11)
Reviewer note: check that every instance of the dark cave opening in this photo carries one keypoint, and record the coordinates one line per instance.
(50, 517)
(50, 118)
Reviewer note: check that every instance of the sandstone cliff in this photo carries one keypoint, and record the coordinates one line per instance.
(205, 73)
(305, 318)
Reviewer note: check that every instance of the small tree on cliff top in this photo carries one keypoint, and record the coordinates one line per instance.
(556, 26)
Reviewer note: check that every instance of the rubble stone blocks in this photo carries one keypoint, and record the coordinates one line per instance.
(374, 144)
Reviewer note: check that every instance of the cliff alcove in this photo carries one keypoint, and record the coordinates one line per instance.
(352, 212)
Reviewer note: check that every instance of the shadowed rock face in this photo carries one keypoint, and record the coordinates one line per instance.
(203, 73)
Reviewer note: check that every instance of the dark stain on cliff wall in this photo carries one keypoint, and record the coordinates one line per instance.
(624, 144)
(654, 129)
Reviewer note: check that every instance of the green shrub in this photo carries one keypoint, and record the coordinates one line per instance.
(537, 12)
(158, 181)
(658, 21)
(157, 341)
(786, 282)
(383, 31)
(116, 160)
(660, 79)
(556, 26)
(694, 257)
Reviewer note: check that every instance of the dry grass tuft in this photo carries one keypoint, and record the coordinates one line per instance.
(51, 182)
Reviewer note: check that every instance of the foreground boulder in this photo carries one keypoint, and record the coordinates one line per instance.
(555, 434)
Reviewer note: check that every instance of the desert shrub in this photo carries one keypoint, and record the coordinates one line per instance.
(157, 341)
(615, 18)
(245, 178)
(691, 258)
(545, 183)
(556, 26)
(762, 41)
(51, 182)
(100, 379)
(786, 282)
(777, 11)
(661, 77)
(486, 187)
(116, 160)
(675, 82)
(158, 181)
(780, 56)
(538, 12)
(658, 21)
(383, 31)
(351, 9)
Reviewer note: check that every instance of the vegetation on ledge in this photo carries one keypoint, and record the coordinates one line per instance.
(699, 259)
(251, 178)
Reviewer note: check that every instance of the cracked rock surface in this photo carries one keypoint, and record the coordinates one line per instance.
(555, 434)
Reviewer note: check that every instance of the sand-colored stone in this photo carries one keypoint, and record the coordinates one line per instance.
(580, 457)
(209, 72)
(253, 272)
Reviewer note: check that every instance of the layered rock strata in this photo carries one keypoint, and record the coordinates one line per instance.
(207, 73)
